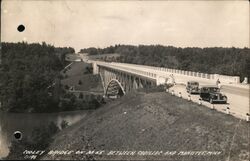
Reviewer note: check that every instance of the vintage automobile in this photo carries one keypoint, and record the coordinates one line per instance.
(193, 87)
(212, 94)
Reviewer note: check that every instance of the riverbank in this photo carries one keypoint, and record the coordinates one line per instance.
(155, 121)
(27, 122)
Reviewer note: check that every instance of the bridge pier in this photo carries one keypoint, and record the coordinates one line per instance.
(140, 83)
(95, 68)
(135, 84)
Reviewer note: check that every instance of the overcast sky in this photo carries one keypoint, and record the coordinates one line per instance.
(82, 24)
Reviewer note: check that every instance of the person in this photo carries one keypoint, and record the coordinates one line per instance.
(218, 83)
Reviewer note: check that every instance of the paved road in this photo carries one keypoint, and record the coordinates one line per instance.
(238, 95)
(239, 105)
(234, 90)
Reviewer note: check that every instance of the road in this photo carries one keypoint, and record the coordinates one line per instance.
(239, 105)
(234, 90)
(238, 95)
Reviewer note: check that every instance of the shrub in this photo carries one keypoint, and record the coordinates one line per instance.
(80, 82)
(64, 124)
(66, 87)
(81, 96)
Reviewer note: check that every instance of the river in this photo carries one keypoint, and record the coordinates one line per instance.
(25, 122)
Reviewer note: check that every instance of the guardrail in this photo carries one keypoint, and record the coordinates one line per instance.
(222, 78)
(130, 70)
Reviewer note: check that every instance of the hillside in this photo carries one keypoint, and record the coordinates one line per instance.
(79, 75)
(156, 121)
(84, 82)
(76, 68)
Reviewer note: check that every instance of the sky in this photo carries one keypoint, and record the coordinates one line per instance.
(82, 24)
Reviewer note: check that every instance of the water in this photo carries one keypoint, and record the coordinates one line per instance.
(25, 122)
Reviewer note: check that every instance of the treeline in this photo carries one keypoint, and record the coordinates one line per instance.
(216, 60)
(26, 72)
(96, 51)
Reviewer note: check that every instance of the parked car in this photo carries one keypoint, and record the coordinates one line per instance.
(193, 87)
(212, 94)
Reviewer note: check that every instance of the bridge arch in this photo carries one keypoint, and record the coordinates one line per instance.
(114, 88)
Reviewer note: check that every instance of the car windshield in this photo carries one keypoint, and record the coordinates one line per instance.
(214, 89)
(194, 83)
(210, 89)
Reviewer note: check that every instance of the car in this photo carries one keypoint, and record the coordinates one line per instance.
(193, 87)
(212, 94)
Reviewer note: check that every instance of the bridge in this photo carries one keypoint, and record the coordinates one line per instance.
(120, 78)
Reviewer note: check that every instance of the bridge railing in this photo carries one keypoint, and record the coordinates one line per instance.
(222, 78)
(130, 70)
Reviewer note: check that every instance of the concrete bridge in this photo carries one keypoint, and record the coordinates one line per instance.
(120, 78)
(133, 76)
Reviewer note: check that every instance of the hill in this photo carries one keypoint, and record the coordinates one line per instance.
(77, 68)
(87, 82)
(157, 121)
(79, 75)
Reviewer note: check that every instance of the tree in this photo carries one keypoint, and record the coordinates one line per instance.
(81, 96)
(66, 87)
(80, 82)
(228, 61)
(27, 71)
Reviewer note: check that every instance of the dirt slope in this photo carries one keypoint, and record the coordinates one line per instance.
(155, 122)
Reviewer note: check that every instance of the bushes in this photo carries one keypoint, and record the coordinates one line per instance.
(70, 102)
(80, 96)
(88, 70)
(80, 82)
(64, 124)
(93, 104)
(66, 87)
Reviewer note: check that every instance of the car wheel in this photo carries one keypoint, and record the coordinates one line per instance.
(211, 101)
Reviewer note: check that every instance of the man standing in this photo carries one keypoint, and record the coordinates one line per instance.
(218, 83)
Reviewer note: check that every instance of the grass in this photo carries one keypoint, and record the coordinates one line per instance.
(77, 68)
(82, 82)
(79, 76)
(156, 121)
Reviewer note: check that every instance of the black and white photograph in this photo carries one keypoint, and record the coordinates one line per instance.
(164, 80)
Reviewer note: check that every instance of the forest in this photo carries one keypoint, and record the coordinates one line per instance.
(213, 60)
(26, 72)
